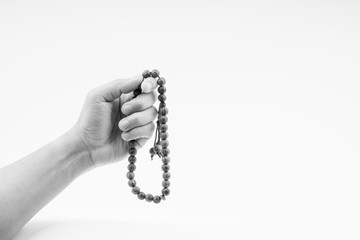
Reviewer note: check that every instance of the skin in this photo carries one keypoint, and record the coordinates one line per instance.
(108, 120)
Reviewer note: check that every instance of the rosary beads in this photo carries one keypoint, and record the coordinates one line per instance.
(160, 147)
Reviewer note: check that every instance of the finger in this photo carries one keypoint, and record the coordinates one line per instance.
(142, 141)
(140, 103)
(145, 131)
(112, 90)
(148, 85)
(138, 119)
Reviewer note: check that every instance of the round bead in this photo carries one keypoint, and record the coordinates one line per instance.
(130, 175)
(165, 191)
(152, 151)
(163, 128)
(165, 167)
(165, 183)
(135, 190)
(157, 199)
(131, 167)
(137, 92)
(162, 97)
(162, 105)
(163, 111)
(164, 143)
(132, 151)
(141, 195)
(165, 159)
(165, 151)
(149, 197)
(157, 148)
(166, 176)
(155, 73)
(163, 119)
(161, 81)
(132, 144)
(146, 74)
(161, 89)
(164, 136)
(132, 159)
(132, 183)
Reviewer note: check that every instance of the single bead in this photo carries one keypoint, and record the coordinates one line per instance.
(131, 167)
(149, 197)
(130, 175)
(165, 151)
(165, 159)
(165, 183)
(166, 176)
(164, 143)
(163, 119)
(132, 144)
(161, 81)
(141, 195)
(157, 148)
(162, 97)
(165, 167)
(155, 73)
(132, 159)
(137, 92)
(152, 151)
(163, 111)
(132, 151)
(164, 136)
(157, 199)
(162, 105)
(165, 191)
(132, 183)
(163, 128)
(161, 89)
(135, 190)
(146, 74)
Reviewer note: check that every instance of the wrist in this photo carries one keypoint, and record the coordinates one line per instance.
(78, 152)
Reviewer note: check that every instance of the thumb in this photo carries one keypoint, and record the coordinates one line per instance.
(113, 90)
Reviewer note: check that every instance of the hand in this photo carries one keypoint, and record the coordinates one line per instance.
(110, 118)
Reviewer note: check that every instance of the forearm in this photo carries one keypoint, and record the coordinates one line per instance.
(30, 183)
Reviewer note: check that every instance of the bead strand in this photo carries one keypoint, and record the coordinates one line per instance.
(160, 147)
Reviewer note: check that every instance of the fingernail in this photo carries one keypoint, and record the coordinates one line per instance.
(125, 136)
(126, 108)
(147, 87)
(123, 124)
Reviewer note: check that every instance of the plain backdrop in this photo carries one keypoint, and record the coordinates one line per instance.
(264, 113)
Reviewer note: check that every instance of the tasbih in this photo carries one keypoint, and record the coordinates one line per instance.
(161, 143)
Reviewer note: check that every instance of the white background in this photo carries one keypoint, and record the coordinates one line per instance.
(264, 114)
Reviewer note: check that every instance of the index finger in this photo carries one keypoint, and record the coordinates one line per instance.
(112, 90)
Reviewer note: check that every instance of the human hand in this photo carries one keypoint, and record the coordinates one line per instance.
(110, 118)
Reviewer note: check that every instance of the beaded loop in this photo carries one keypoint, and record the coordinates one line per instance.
(160, 147)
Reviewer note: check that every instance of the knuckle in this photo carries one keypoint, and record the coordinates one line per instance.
(90, 94)
(138, 105)
(93, 95)
(153, 97)
(153, 112)
(135, 120)
(152, 127)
